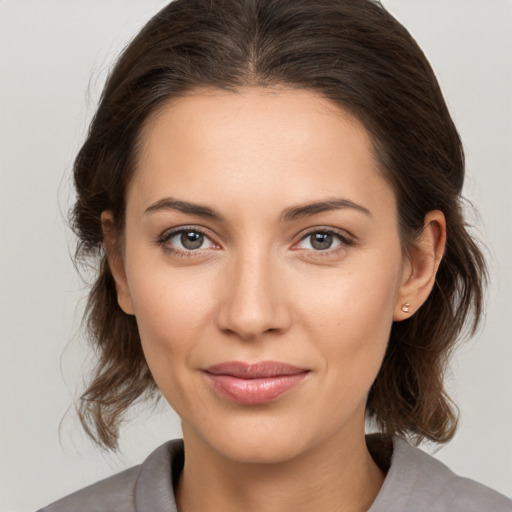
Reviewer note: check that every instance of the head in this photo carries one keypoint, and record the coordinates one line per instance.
(344, 87)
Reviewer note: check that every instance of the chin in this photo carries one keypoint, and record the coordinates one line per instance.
(256, 440)
(261, 449)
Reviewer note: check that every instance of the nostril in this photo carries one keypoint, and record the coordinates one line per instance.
(252, 303)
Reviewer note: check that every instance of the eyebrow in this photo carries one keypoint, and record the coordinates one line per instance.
(305, 210)
(289, 214)
(169, 203)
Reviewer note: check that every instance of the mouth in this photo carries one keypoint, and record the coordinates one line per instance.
(254, 383)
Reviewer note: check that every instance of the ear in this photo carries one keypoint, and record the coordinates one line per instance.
(421, 266)
(116, 262)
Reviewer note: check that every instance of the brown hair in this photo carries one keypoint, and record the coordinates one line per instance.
(350, 51)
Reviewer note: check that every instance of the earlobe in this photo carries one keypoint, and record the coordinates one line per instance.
(423, 262)
(116, 262)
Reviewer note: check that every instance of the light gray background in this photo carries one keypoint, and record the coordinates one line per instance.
(53, 59)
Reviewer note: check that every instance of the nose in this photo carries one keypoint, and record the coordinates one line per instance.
(253, 297)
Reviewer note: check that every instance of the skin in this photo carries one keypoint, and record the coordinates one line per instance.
(258, 290)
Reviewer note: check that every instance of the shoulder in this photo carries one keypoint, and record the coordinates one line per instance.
(417, 481)
(144, 487)
(112, 494)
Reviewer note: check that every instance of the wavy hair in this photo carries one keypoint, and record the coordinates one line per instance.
(352, 52)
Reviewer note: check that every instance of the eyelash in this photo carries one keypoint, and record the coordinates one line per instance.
(345, 240)
(166, 236)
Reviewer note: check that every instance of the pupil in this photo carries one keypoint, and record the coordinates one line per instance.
(191, 239)
(321, 241)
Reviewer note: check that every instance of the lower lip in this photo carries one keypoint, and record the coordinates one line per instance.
(254, 391)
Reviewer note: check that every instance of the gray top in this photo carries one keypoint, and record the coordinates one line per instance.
(415, 482)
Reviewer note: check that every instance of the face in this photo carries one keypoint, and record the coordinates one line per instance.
(263, 264)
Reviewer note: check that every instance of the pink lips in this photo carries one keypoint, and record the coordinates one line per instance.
(253, 384)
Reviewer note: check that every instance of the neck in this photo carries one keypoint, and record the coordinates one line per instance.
(333, 476)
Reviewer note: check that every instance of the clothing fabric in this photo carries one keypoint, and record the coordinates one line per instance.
(415, 482)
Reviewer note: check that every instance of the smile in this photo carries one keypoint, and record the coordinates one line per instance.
(253, 384)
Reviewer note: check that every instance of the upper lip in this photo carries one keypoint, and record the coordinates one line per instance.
(259, 370)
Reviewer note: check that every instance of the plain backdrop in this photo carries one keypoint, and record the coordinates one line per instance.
(54, 55)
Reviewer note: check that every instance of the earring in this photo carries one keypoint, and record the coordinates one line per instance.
(405, 307)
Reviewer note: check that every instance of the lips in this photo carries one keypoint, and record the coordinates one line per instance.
(253, 384)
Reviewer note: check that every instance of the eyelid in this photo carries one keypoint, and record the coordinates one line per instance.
(171, 232)
(341, 233)
(346, 240)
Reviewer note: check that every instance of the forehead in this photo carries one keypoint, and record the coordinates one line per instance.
(272, 144)
(250, 117)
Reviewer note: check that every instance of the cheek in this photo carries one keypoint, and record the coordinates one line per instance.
(351, 300)
(172, 307)
(349, 314)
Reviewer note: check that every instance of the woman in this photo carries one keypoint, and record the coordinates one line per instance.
(273, 190)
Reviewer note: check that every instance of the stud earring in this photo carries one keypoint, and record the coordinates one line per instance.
(405, 307)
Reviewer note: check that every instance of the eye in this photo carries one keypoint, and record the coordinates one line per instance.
(323, 240)
(186, 240)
